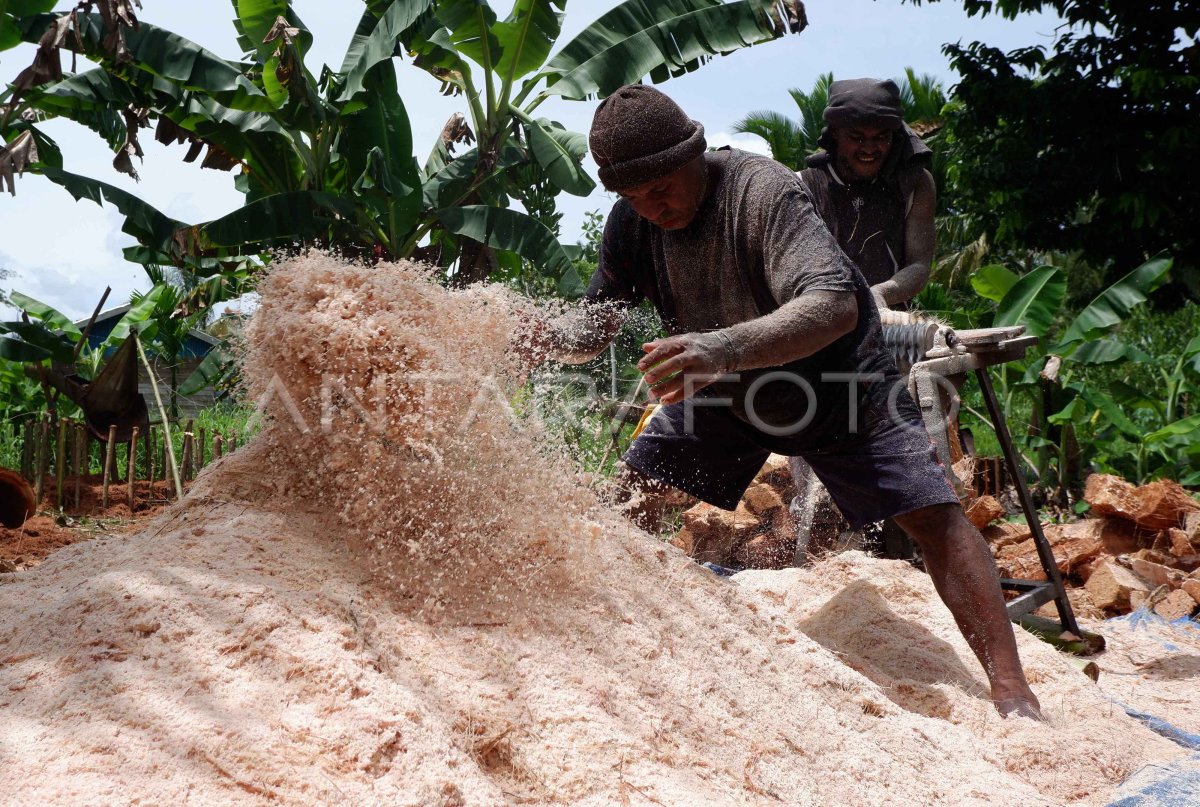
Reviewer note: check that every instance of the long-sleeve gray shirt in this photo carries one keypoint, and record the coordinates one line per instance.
(755, 244)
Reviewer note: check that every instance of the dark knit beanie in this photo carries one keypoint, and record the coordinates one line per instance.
(640, 135)
(865, 102)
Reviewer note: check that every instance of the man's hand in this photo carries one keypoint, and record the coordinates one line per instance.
(678, 366)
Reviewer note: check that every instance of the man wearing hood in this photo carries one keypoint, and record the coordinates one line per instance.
(871, 187)
(775, 346)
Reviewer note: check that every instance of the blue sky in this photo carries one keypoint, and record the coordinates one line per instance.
(65, 253)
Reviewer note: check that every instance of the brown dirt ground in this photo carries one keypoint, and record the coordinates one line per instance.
(49, 530)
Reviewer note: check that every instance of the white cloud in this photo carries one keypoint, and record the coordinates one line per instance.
(745, 142)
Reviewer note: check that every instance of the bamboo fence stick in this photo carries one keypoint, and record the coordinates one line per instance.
(110, 452)
(27, 450)
(130, 481)
(43, 457)
(60, 463)
(151, 456)
(186, 460)
(162, 412)
(81, 447)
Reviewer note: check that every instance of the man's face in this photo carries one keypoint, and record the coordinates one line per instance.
(672, 201)
(862, 150)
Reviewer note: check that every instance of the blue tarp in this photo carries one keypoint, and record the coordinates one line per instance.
(1178, 783)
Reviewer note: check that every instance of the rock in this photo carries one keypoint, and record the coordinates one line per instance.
(744, 522)
(1110, 495)
(983, 511)
(1005, 534)
(1137, 599)
(1176, 605)
(1191, 528)
(1160, 505)
(7, 566)
(1118, 537)
(1163, 504)
(1113, 587)
(1156, 574)
(1154, 556)
(1082, 605)
(1191, 587)
(778, 474)
(761, 498)
(707, 534)
(1075, 546)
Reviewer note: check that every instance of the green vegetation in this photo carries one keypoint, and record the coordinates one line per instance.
(326, 157)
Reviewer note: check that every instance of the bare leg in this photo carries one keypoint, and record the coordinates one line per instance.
(964, 574)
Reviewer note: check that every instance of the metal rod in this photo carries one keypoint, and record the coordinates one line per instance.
(1045, 553)
(88, 329)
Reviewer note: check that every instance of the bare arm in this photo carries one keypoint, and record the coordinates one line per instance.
(918, 248)
(679, 365)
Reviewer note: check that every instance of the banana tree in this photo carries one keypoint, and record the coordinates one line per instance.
(74, 378)
(1074, 421)
(327, 158)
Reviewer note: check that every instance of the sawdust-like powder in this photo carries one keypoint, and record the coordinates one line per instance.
(435, 611)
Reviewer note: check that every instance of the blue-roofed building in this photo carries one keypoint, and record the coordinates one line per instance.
(195, 348)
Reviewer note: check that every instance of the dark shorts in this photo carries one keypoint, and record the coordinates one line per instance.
(887, 469)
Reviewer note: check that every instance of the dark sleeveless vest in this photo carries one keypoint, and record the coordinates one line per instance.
(867, 217)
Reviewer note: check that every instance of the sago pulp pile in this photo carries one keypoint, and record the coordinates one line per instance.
(400, 594)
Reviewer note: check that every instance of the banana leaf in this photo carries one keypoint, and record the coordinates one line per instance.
(377, 146)
(560, 154)
(51, 316)
(140, 316)
(660, 38)
(469, 23)
(994, 281)
(1113, 304)
(163, 53)
(526, 37)
(1114, 414)
(1033, 301)
(282, 218)
(18, 350)
(1106, 351)
(509, 230)
(211, 370)
(41, 338)
(375, 42)
(1188, 427)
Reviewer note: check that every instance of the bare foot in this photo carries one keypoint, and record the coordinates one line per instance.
(1014, 697)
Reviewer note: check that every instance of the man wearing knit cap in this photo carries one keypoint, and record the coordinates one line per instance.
(775, 346)
(872, 190)
(871, 187)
